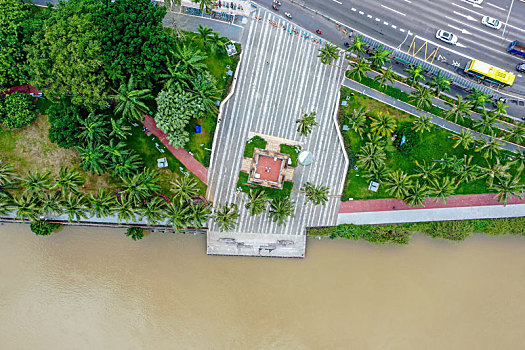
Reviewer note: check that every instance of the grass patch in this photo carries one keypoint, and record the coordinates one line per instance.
(245, 187)
(145, 146)
(292, 151)
(252, 144)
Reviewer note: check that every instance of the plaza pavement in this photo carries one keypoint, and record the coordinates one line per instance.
(278, 76)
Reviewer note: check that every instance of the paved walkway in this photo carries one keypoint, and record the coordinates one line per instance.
(470, 200)
(180, 153)
(365, 90)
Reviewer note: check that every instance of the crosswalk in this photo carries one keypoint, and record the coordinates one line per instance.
(280, 75)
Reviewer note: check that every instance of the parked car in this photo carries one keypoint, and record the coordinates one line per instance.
(447, 37)
(491, 22)
(521, 67)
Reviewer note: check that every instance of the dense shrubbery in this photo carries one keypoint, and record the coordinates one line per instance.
(136, 233)
(456, 230)
(412, 138)
(44, 228)
(65, 123)
(16, 111)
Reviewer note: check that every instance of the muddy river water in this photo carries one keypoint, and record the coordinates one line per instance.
(92, 288)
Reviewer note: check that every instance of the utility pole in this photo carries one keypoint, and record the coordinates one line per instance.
(508, 15)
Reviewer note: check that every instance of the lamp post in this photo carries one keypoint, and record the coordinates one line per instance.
(507, 20)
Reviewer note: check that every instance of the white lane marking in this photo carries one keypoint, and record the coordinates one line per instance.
(354, 9)
(499, 8)
(473, 5)
(339, 2)
(460, 45)
(486, 47)
(464, 31)
(489, 32)
(378, 19)
(481, 15)
(385, 23)
(369, 16)
(393, 26)
(361, 13)
(408, 1)
(469, 17)
(519, 75)
(402, 30)
(388, 8)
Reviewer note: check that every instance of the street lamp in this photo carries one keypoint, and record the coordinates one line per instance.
(508, 15)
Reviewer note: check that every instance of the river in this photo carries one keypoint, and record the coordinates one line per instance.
(93, 288)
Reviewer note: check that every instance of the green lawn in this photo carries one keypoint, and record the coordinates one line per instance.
(245, 187)
(252, 144)
(292, 151)
(145, 146)
(430, 147)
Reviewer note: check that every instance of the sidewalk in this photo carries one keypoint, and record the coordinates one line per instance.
(405, 107)
(180, 153)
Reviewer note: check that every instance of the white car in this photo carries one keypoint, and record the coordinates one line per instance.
(491, 22)
(478, 2)
(447, 37)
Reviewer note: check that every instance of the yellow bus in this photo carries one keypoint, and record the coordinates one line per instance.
(488, 73)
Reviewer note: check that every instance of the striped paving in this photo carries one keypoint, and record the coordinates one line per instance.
(279, 75)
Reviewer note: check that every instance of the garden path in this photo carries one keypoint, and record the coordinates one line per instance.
(181, 154)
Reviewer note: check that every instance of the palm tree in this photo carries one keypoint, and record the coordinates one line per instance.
(204, 4)
(383, 124)
(94, 128)
(443, 189)
(465, 139)
(493, 170)
(315, 194)
(115, 151)
(516, 134)
(422, 97)
(92, 156)
(500, 108)
(135, 188)
(176, 215)
(125, 209)
(36, 182)
(440, 83)
(466, 171)
(486, 124)
(478, 98)
(50, 203)
(422, 124)
(198, 214)
(386, 77)
(184, 189)
(490, 148)
(280, 209)
(257, 202)
(101, 204)
(7, 178)
(131, 102)
(6, 205)
(204, 34)
(427, 171)
(358, 46)
(397, 183)
(328, 53)
(68, 180)
(415, 74)
(226, 217)
(416, 195)
(26, 208)
(372, 156)
(190, 60)
(153, 210)
(359, 69)
(460, 109)
(306, 123)
(129, 163)
(357, 120)
(204, 88)
(150, 180)
(508, 187)
(376, 174)
(175, 76)
(75, 206)
(217, 43)
(518, 159)
(379, 57)
(119, 128)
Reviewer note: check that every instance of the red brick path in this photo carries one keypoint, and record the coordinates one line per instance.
(471, 200)
(180, 153)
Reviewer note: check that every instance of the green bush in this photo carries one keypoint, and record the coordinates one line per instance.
(16, 111)
(136, 233)
(44, 228)
(515, 226)
(372, 234)
(453, 230)
(245, 187)
(412, 139)
(252, 144)
(64, 118)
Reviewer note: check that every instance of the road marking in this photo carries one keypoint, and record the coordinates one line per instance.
(378, 19)
(361, 13)
(402, 30)
(408, 1)
(473, 5)
(388, 8)
(369, 16)
(393, 26)
(480, 14)
(519, 75)
(469, 17)
(385, 23)
(460, 45)
(339, 2)
(499, 8)
(486, 47)
(464, 31)
(354, 9)
(479, 29)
